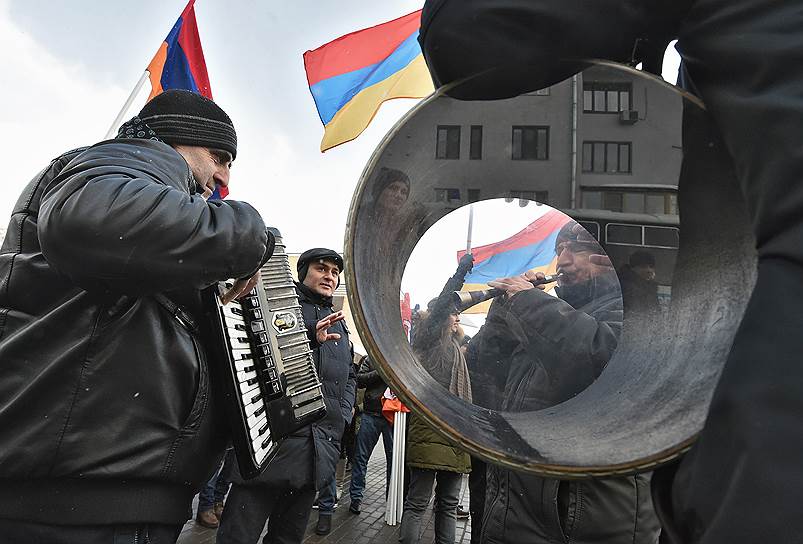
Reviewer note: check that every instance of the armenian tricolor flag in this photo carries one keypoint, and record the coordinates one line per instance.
(351, 76)
(179, 63)
(533, 248)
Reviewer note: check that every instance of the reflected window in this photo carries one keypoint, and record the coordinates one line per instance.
(607, 157)
(530, 143)
(612, 201)
(623, 234)
(540, 197)
(592, 200)
(447, 194)
(475, 147)
(448, 142)
(642, 235)
(606, 97)
(661, 237)
(592, 227)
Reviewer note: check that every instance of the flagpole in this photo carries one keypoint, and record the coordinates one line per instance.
(120, 116)
(470, 227)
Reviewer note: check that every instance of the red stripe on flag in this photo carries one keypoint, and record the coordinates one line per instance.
(190, 43)
(533, 233)
(360, 48)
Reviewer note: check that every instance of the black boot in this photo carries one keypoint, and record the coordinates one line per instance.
(324, 524)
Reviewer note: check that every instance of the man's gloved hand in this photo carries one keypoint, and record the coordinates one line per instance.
(466, 264)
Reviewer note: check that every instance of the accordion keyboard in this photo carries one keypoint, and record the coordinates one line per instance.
(270, 383)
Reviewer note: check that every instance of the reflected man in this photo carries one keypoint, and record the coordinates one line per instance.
(543, 350)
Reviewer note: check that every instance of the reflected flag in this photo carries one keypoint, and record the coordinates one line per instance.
(533, 248)
(350, 77)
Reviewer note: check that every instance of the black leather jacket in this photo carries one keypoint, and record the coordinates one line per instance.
(105, 407)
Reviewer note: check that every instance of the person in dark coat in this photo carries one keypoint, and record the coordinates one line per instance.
(549, 349)
(306, 460)
(637, 278)
(372, 425)
(740, 482)
(108, 424)
(431, 458)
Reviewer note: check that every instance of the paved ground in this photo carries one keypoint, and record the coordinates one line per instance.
(367, 528)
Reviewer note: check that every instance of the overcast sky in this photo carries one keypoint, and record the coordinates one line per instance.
(66, 68)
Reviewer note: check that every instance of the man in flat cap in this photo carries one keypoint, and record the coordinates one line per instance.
(106, 414)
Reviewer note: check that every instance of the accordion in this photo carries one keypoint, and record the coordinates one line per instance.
(263, 364)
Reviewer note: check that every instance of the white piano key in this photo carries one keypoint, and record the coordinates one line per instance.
(243, 376)
(254, 429)
(245, 387)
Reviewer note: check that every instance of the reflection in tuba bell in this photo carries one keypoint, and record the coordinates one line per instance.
(650, 400)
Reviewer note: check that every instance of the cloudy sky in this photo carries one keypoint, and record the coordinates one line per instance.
(66, 68)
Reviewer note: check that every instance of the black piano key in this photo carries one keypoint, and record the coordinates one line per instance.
(256, 398)
(267, 442)
(264, 428)
(259, 410)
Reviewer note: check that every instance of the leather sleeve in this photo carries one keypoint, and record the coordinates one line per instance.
(527, 40)
(119, 218)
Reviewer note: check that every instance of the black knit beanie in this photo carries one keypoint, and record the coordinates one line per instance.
(184, 117)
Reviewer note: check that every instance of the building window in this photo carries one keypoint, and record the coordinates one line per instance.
(607, 157)
(601, 97)
(475, 147)
(448, 144)
(447, 194)
(530, 143)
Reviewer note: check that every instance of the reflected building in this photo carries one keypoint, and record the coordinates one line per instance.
(603, 146)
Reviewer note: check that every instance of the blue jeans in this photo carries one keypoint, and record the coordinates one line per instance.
(371, 426)
(447, 490)
(218, 485)
(326, 497)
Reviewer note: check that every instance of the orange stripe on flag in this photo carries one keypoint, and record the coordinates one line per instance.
(155, 70)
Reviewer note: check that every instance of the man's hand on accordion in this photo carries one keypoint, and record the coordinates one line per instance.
(321, 333)
(240, 288)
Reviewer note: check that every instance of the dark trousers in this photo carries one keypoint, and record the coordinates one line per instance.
(371, 428)
(21, 532)
(477, 481)
(287, 511)
(447, 492)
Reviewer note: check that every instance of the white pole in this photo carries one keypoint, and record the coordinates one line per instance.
(470, 227)
(390, 506)
(120, 116)
(402, 422)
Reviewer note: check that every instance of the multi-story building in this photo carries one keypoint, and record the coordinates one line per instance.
(605, 146)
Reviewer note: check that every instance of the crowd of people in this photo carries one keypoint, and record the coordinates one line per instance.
(109, 424)
(78, 229)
